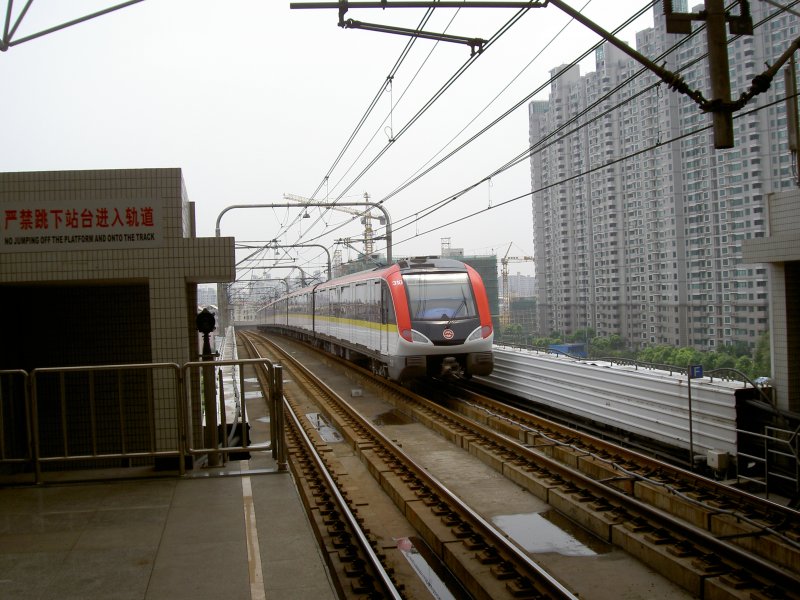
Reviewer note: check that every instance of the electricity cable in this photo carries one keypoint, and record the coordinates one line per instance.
(436, 96)
(589, 171)
(531, 151)
(526, 154)
(398, 63)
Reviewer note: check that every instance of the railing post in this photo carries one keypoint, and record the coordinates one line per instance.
(37, 467)
(183, 413)
(280, 438)
(223, 418)
(272, 406)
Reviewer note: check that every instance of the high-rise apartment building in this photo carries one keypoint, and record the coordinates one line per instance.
(638, 220)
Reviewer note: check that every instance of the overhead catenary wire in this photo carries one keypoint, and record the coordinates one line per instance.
(370, 108)
(531, 151)
(587, 172)
(378, 129)
(543, 142)
(492, 40)
(432, 100)
(418, 173)
(438, 94)
(405, 91)
(507, 113)
(452, 197)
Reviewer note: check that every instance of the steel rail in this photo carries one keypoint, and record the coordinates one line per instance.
(489, 531)
(322, 469)
(526, 419)
(726, 550)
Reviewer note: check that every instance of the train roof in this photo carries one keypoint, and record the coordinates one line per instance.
(417, 264)
(424, 263)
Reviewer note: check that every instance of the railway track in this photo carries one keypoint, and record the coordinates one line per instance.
(714, 542)
(763, 528)
(472, 554)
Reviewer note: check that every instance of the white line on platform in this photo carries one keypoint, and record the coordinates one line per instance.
(257, 591)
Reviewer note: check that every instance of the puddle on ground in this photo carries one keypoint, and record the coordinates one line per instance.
(428, 570)
(263, 419)
(392, 417)
(326, 431)
(540, 533)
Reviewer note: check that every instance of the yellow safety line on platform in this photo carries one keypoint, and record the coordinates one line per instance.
(257, 591)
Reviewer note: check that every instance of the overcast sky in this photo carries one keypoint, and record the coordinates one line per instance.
(253, 100)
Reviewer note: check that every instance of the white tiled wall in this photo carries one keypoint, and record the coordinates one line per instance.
(781, 246)
(166, 269)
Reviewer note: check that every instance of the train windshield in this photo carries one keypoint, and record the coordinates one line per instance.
(440, 296)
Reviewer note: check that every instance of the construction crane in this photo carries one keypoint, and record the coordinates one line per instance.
(505, 307)
(366, 218)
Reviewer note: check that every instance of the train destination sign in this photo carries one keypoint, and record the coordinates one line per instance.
(80, 225)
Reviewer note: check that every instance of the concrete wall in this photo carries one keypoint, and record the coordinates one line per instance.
(781, 249)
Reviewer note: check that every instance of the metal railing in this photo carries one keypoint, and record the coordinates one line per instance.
(15, 440)
(769, 460)
(101, 416)
(277, 443)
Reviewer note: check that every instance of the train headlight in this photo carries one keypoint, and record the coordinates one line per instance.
(412, 335)
(480, 333)
(418, 338)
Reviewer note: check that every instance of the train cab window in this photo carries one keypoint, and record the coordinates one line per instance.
(387, 306)
(439, 296)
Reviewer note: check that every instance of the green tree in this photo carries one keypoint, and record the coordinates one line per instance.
(682, 357)
(736, 349)
(582, 335)
(543, 342)
(762, 358)
(599, 346)
(616, 342)
(661, 355)
(745, 365)
(718, 360)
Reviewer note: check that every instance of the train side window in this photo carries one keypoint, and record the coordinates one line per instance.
(375, 314)
(361, 294)
(333, 301)
(345, 301)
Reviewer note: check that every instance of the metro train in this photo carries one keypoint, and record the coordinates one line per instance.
(417, 318)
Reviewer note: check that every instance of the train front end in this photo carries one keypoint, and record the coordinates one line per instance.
(443, 320)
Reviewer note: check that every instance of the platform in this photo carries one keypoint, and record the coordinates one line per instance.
(218, 534)
(238, 532)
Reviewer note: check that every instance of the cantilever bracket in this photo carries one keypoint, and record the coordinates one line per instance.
(475, 44)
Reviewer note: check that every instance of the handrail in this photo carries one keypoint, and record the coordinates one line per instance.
(67, 455)
(275, 392)
(4, 458)
(101, 408)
